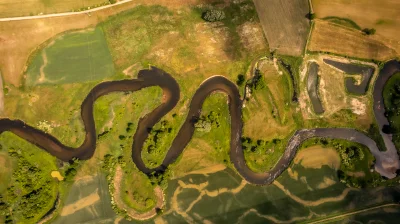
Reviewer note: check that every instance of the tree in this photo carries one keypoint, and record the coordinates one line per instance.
(213, 15)
(240, 80)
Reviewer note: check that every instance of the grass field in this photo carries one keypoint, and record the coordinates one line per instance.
(306, 193)
(338, 39)
(9, 8)
(285, 25)
(74, 57)
(88, 200)
(380, 15)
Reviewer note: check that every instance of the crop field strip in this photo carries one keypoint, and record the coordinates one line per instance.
(285, 24)
(338, 39)
(381, 15)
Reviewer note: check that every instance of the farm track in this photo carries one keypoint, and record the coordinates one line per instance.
(386, 162)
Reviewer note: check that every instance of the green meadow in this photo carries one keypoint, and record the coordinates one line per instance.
(79, 56)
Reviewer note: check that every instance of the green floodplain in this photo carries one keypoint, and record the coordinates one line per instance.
(62, 71)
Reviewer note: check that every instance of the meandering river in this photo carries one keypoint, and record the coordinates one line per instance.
(386, 162)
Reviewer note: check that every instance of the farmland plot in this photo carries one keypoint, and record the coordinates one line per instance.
(285, 24)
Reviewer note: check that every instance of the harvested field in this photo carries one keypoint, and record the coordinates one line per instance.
(285, 24)
(382, 15)
(74, 57)
(11, 8)
(334, 38)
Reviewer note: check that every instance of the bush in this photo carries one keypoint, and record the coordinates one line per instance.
(213, 15)
(311, 16)
(240, 80)
(368, 31)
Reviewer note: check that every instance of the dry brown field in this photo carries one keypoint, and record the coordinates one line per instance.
(18, 39)
(333, 38)
(14, 8)
(285, 24)
(382, 15)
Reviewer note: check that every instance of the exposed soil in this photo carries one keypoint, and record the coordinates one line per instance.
(316, 202)
(81, 204)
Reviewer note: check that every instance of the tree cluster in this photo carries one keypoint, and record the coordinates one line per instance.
(240, 80)
(258, 146)
(258, 81)
(213, 15)
(156, 136)
(160, 178)
(206, 123)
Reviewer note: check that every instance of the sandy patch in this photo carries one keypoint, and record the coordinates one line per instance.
(358, 107)
(57, 175)
(293, 174)
(317, 202)
(81, 204)
(208, 170)
(273, 219)
(315, 157)
(356, 174)
(326, 183)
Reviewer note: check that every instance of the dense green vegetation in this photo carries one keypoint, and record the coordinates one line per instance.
(156, 145)
(391, 97)
(31, 191)
(74, 57)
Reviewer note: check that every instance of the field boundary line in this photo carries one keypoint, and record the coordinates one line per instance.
(355, 212)
(63, 13)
